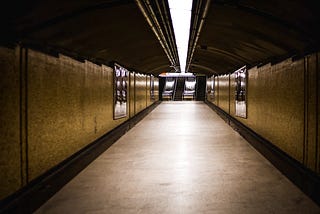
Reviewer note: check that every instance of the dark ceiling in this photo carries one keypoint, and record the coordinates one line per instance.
(225, 35)
(102, 31)
(251, 32)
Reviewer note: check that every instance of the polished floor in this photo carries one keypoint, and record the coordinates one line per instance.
(181, 158)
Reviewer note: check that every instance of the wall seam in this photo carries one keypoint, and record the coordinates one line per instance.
(229, 95)
(26, 113)
(21, 116)
(23, 59)
(218, 87)
(146, 90)
(317, 162)
(305, 111)
(134, 97)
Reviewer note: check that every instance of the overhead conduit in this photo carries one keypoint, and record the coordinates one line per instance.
(168, 27)
(166, 40)
(199, 14)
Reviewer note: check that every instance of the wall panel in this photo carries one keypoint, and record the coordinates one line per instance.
(216, 88)
(148, 95)
(210, 89)
(70, 105)
(10, 150)
(282, 106)
(140, 92)
(318, 110)
(156, 89)
(224, 92)
(52, 107)
(132, 94)
(275, 105)
(310, 157)
(232, 95)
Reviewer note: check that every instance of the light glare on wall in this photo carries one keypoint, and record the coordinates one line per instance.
(181, 16)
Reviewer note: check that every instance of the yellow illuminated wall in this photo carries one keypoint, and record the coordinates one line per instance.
(224, 92)
(141, 92)
(281, 106)
(148, 95)
(132, 95)
(11, 176)
(156, 89)
(51, 107)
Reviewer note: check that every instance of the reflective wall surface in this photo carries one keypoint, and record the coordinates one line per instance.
(53, 106)
(282, 105)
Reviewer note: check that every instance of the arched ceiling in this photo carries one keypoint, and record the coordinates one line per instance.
(249, 32)
(103, 31)
(138, 34)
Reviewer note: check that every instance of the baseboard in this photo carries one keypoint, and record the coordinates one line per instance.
(307, 180)
(38, 191)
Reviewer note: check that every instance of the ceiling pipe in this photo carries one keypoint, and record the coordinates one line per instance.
(156, 28)
(171, 49)
(195, 33)
(169, 28)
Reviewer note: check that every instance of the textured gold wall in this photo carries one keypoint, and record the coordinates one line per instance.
(132, 95)
(156, 89)
(318, 110)
(224, 92)
(232, 95)
(275, 105)
(311, 157)
(10, 167)
(216, 92)
(51, 107)
(282, 106)
(209, 93)
(140, 92)
(70, 105)
(148, 95)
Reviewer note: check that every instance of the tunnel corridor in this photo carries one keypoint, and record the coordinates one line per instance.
(77, 76)
(181, 158)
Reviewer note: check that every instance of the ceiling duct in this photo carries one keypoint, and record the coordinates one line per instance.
(199, 12)
(157, 14)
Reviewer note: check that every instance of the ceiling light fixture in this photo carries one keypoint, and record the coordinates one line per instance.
(181, 17)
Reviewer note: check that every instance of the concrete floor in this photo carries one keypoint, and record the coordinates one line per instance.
(182, 158)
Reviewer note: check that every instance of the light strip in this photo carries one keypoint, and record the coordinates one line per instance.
(181, 17)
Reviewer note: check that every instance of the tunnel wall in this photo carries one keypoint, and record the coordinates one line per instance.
(223, 97)
(148, 95)
(52, 107)
(282, 105)
(132, 95)
(141, 94)
(11, 177)
(156, 89)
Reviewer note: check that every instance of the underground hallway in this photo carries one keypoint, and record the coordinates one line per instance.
(78, 78)
(181, 158)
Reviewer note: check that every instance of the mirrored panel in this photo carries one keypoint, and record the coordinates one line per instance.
(121, 78)
(240, 92)
(152, 95)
